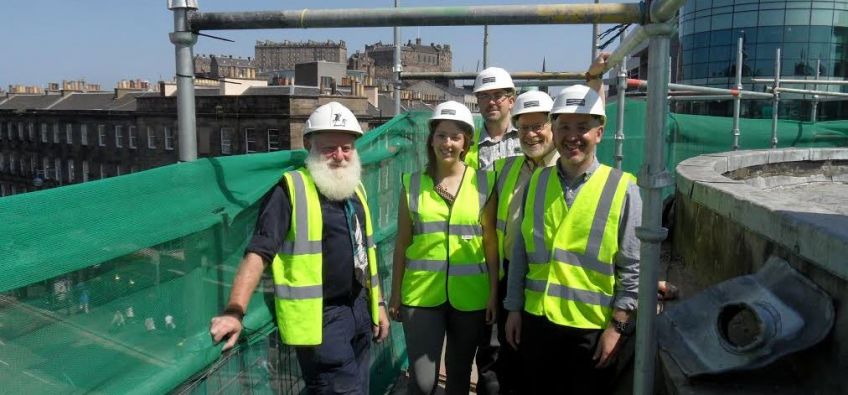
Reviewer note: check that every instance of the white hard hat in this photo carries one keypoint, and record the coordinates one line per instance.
(493, 78)
(579, 99)
(332, 117)
(532, 101)
(451, 110)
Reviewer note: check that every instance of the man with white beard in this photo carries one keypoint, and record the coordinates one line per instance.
(314, 229)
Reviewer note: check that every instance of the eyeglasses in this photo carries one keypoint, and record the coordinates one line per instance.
(532, 128)
(497, 97)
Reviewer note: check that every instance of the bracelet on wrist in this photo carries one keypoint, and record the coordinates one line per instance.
(234, 311)
(589, 76)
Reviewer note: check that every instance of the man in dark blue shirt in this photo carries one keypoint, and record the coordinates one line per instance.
(332, 324)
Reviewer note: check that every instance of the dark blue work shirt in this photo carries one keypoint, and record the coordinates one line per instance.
(272, 225)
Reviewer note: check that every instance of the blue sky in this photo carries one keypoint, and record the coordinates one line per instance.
(106, 41)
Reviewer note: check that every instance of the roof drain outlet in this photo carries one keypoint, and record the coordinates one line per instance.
(746, 322)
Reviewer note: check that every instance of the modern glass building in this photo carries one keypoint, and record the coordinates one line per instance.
(807, 32)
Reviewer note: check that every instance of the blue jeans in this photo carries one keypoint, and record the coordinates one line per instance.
(340, 364)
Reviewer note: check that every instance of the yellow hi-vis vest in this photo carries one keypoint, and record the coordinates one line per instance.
(445, 260)
(507, 171)
(570, 250)
(472, 156)
(297, 268)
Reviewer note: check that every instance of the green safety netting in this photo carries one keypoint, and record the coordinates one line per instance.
(108, 286)
(692, 135)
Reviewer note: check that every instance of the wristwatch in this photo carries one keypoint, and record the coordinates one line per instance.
(625, 328)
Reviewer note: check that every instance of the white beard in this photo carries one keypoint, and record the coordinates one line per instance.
(336, 184)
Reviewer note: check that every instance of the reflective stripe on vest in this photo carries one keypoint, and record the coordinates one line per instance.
(571, 275)
(507, 171)
(297, 268)
(445, 260)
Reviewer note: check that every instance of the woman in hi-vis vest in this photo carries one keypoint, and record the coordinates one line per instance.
(445, 275)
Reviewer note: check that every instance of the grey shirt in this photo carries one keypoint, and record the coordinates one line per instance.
(626, 260)
(488, 150)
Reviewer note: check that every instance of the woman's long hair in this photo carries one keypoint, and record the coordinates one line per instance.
(467, 134)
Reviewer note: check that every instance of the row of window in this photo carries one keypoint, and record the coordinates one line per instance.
(750, 19)
(52, 168)
(26, 132)
(766, 52)
(836, 37)
(699, 8)
(765, 68)
(251, 138)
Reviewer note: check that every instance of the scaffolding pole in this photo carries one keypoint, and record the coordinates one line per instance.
(595, 32)
(653, 177)
(398, 68)
(814, 105)
(619, 130)
(737, 102)
(183, 41)
(540, 83)
(626, 47)
(516, 75)
(784, 81)
(485, 46)
(633, 83)
(776, 98)
(704, 97)
(810, 92)
(549, 14)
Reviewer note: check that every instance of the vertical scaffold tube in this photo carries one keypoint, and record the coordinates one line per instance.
(815, 104)
(653, 177)
(183, 41)
(737, 102)
(485, 46)
(619, 130)
(776, 99)
(398, 68)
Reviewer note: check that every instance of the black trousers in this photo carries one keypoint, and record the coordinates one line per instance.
(498, 364)
(558, 359)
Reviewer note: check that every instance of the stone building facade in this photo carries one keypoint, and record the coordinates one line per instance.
(274, 56)
(378, 59)
(53, 140)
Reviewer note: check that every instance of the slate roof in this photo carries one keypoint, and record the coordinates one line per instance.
(84, 101)
(29, 102)
(278, 90)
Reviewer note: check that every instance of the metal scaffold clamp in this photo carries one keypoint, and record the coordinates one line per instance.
(183, 38)
(651, 234)
(658, 180)
(177, 4)
(661, 29)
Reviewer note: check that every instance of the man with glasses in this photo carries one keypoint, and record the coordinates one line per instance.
(498, 138)
(530, 115)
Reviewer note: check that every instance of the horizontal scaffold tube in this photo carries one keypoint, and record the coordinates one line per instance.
(633, 83)
(701, 97)
(810, 92)
(664, 10)
(627, 46)
(517, 75)
(544, 14)
(801, 82)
